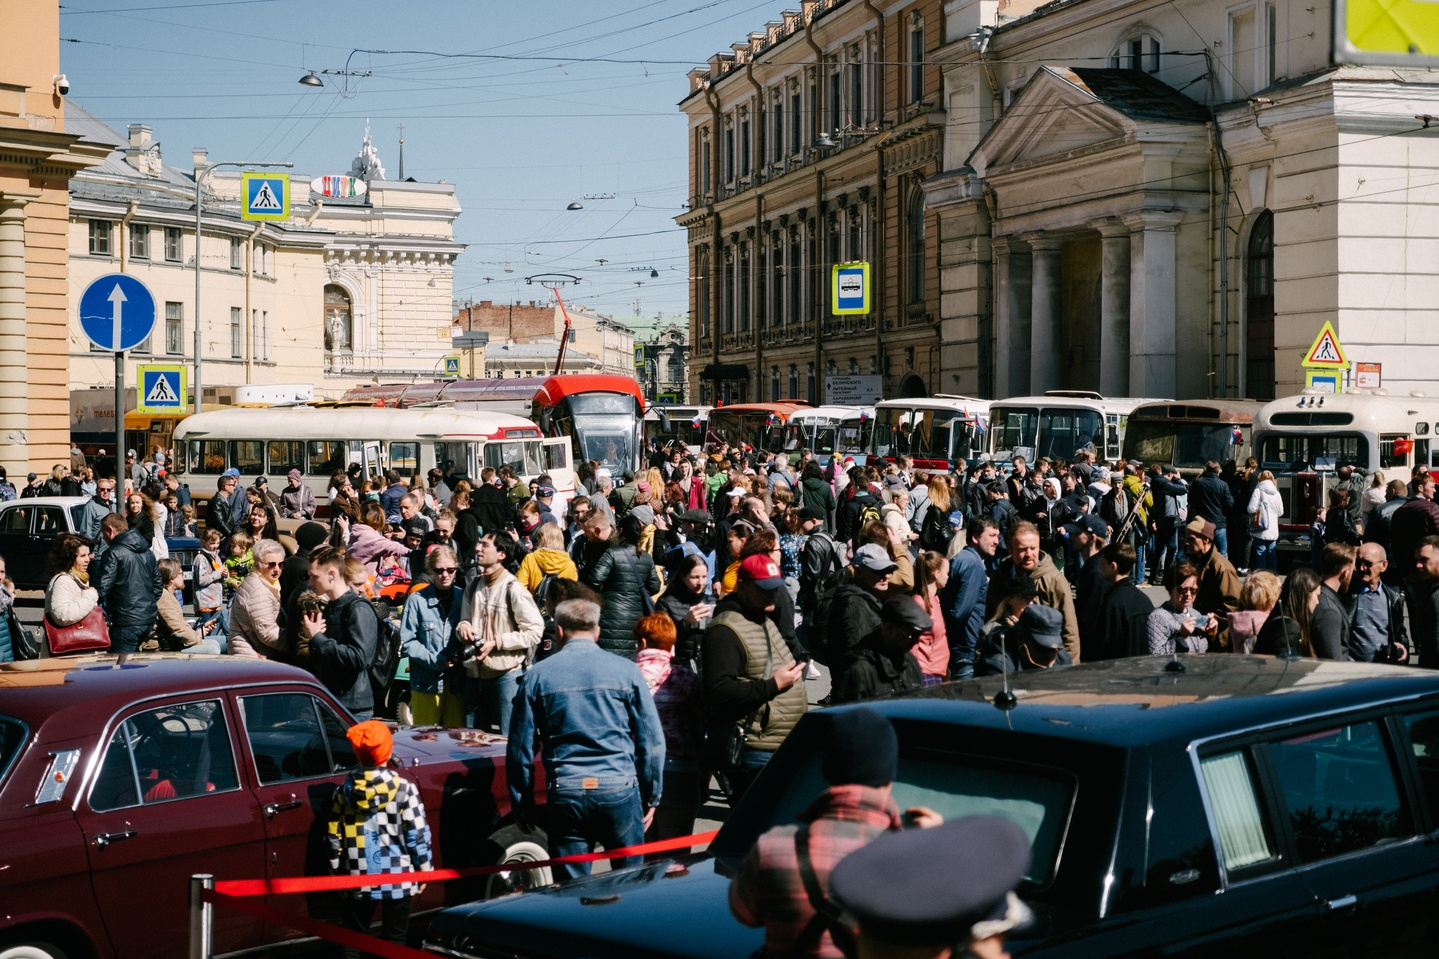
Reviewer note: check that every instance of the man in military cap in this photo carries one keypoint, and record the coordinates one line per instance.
(884, 664)
(784, 878)
(945, 892)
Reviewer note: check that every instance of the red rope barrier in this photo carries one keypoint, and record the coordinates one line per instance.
(233, 888)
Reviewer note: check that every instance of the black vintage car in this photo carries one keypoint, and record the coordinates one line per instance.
(1245, 806)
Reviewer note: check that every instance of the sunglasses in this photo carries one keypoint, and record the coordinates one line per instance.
(273, 565)
(442, 570)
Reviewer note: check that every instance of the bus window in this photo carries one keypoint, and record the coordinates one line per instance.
(405, 458)
(286, 455)
(1389, 457)
(248, 456)
(453, 454)
(1014, 432)
(206, 457)
(556, 455)
(1421, 452)
(522, 456)
(1301, 452)
(326, 456)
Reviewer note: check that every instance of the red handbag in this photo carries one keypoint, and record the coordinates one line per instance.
(89, 634)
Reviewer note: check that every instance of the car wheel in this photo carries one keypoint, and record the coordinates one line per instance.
(519, 847)
(403, 714)
(31, 950)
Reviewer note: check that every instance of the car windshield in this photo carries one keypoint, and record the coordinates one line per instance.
(12, 740)
(1037, 798)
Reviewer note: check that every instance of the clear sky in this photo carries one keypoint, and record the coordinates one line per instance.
(525, 106)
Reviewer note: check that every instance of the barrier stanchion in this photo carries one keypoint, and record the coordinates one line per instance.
(202, 915)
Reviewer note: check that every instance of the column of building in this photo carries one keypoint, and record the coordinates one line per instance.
(14, 374)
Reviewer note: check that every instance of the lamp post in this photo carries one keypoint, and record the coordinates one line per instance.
(200, 174)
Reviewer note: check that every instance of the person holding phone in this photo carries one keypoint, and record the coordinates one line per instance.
(1176, 626)
(684, 600)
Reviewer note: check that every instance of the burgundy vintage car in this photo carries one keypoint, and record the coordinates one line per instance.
(120, 777)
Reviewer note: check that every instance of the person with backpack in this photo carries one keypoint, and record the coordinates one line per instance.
(343, 636)
(499, 630)
(546, 563)
(933, 526)
(1000, 509)
(427, 629)
(820, 572)
(861, 508)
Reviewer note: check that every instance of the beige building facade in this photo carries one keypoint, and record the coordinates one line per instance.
(38, 156)
(1170, 199)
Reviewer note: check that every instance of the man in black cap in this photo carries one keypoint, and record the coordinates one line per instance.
(32, 486)
(854, 611)
(821, 567)
(884, 665)
(786, 874)
(1036, 641)
(1088, 536)
(942, 893)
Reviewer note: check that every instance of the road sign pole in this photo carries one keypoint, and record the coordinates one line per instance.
(119, 496)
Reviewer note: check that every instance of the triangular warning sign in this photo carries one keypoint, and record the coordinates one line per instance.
(162, 393)
(1325, 350)
(265, 198)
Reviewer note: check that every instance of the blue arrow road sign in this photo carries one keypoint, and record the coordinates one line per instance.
(117, 312)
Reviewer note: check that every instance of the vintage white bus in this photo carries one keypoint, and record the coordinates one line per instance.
(318, 440)
(1303, 440)
(828, 431)
(934, 430)
(1190, 433)
(1058, 424)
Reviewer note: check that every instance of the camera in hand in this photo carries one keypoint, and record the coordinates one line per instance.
(461, 652)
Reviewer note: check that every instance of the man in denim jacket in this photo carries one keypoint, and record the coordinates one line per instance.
(594, 720)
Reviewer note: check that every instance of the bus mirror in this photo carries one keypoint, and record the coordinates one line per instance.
(545, 417)
(664, 421)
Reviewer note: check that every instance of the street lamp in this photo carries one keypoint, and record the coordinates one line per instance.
(200, 174)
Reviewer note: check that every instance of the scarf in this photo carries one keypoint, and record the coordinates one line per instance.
(82, 577)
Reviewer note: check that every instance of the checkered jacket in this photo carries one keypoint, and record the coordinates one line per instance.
(768, 890)
(377, 826)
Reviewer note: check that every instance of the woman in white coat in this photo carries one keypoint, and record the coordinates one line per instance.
(1265, 507)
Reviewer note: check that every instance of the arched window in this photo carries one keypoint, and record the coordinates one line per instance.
(1139, 51)
(702, 293)
(1259, 309)
(774, 384)
(793, 379)
(914, 261)
(339, 319)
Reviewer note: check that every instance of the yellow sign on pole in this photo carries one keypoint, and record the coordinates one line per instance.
(452, 366)
(1401, 33)
(1325, 351)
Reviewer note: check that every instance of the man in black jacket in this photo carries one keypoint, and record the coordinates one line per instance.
(344, 637)
(1329, 623)
(885, 664)
(1376, 611)
(1122, 623)
(854, 611)
(295, 576)
(820, 564)
(128, 581)
(1210, 498)
(217, 513)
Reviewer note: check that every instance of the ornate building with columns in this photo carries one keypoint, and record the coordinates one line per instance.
(38, 156)
(808, 145)
(1153, 198)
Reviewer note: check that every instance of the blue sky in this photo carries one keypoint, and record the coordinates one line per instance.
(526, 123)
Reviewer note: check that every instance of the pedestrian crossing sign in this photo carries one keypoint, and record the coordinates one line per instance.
(452, 366)
(1325, 351)
(266, 196)
(163, 389)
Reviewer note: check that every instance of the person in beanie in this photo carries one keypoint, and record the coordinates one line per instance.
(297, 501)
(377, 826)
(943, 893)
(861, 756)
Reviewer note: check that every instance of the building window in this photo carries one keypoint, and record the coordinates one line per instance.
(237, 254)
(237, 332)
(1259, 310)
(1139, 52)
(916, 58)
(776, 279)
(774, 384)
(811, 388)
(338, 320)
(139, 242)
(835, 118)
(761, 288)
(744, 275)
(727, 293)
(853, 366)
(174, 252)
(794, 277)
(1271, 45)
(814, 121)
(705, 167)
(702, 293)
(174, 328)
(778, 128)
(794, 125)
(856, 234)
(745, 151)
(915, 253)
(100, 233)
(729, 154)
(794, 379)
(856, 89)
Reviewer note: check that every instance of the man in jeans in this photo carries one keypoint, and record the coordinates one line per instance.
(595, 723)
(500, 618)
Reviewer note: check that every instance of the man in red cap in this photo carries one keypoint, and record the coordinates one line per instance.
(750, 676)
(377, 827)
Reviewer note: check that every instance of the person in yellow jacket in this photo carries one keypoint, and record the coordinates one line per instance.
(548, 557)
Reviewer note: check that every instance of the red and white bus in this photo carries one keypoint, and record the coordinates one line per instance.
(750, 424)
(934, 430)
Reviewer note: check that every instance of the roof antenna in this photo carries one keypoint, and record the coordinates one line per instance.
(1004, 699)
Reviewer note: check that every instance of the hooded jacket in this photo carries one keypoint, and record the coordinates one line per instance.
(1266, 501)
(129, 581)
(543, 562)
(1053, 592)
(815, 493)
(377, 826)
(853, 616)
(623, 576)
(367, 545)
(340, 657)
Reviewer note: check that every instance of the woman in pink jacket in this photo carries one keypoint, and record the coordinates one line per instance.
(368, 542)
(931, 573)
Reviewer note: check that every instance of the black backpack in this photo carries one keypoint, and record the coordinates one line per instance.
(387, 648)
(935, 533)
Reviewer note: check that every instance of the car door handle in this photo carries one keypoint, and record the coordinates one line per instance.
(1343, 902)
(106, 838)
(273, 809)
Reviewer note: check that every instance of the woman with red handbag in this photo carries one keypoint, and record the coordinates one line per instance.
(71, 603)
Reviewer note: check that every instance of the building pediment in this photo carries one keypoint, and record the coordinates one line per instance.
(1064, 112)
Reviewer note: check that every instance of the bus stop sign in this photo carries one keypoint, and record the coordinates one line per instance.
(849, 288)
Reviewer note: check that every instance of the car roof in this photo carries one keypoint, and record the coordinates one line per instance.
(1137, 702)
(44, 501)
(79, 693)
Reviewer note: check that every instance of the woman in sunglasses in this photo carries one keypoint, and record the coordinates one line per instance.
(255, 608)
(426, 627)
